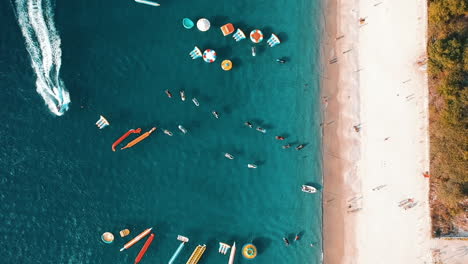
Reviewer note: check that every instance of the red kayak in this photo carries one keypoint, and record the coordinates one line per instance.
(144, 248)
(118, 141)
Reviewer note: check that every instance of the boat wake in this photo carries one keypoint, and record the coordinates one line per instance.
(36, 20)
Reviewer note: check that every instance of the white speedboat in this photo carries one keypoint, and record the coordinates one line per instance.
(215, 114)
(251, 166)
(195, 101)
(308, 189)
(167, 132)
(229, 156)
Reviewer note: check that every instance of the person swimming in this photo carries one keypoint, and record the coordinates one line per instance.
(281, 61)
(169, 94)
(261, 129)
(279, 138)
(286, 146)
(229, 156)
(300, 147)
(182, 95)
(286, 241)
(167, 132)
(215, 114)
(248, 124)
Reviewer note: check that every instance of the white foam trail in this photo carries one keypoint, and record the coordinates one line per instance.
(36, 20)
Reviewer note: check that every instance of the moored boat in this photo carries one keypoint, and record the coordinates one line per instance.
(308, 189)
(147, 2)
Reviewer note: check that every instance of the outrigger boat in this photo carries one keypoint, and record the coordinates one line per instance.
(140, 138)
(146, 2)
(131, 131)
(308, 189)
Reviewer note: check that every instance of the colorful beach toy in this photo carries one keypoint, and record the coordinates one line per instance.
(227, 29)
(209, 55)
(223, 248)
(188, 24)
(256, 36)
(226, 65)
(107, 237)
(273, 40)
(239, 35)
(195, 53)
(249, 251)
(102, 122)
(203, 24)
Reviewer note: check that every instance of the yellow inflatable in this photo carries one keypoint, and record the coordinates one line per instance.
(226, 65)
(249, 251)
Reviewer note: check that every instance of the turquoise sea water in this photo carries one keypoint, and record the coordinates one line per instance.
(61, 186)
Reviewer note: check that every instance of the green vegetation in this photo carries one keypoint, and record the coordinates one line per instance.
(448, 81)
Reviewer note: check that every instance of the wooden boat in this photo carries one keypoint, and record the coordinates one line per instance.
(308, 189)
(118, 141)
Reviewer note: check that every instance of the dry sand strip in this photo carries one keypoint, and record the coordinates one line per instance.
(376, 150)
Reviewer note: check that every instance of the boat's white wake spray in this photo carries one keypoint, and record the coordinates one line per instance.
(36, 20)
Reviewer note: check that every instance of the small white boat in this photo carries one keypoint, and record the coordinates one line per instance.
(182, 129)
(251, 166)
(167, 132)
(260, 129)
(215, 114)
(254, 53)
(147, 2)
(308, 189)
(229, 156)
(182, 95)
(195, 101)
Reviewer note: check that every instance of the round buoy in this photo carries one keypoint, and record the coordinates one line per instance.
(188, 24)
(249, 251)
(226, 65)
(203, 24)
(107, 237)
(256, 36)
(209, 55)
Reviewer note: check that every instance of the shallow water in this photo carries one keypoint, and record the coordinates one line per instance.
(61, 186)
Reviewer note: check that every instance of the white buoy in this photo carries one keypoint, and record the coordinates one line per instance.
(203, 24)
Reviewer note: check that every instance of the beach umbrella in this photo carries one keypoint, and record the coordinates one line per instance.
(256, 36)
(203, 24)
(226, 65)
(209, 55)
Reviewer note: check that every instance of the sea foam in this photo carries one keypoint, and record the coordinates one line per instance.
(36, 20)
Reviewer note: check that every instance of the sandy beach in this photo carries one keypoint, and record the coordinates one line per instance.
(375, 132)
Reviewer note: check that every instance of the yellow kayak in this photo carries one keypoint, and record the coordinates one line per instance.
(140, 138)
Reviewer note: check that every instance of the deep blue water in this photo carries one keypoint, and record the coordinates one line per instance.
(61, 186)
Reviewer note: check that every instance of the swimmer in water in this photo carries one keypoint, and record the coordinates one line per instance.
(167, 132)
(248, 124)
(182, 95)
(286, 241)
(281, 61)
(168, 93)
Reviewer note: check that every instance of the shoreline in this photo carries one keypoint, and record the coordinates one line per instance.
(372, 80)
